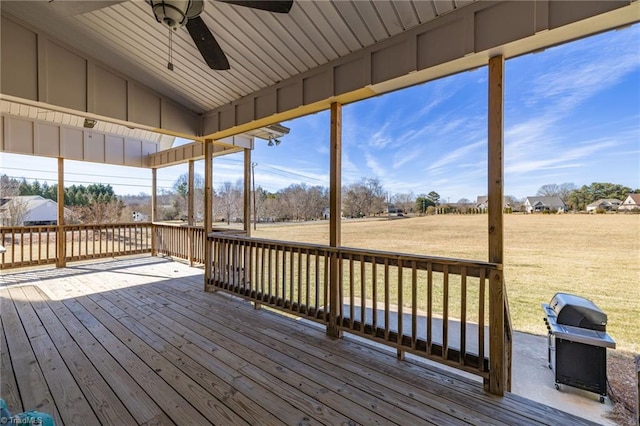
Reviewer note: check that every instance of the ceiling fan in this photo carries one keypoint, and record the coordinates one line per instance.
(179, 13)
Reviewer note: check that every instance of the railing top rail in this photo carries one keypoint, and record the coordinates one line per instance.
(106, 225)
(404, 257)
(30, 227)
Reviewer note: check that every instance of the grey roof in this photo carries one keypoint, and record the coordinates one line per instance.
(551, 202)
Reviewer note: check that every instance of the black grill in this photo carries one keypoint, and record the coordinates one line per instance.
(577, 343)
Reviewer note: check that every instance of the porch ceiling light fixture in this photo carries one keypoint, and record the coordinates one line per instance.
(175, 13)
(90, 123)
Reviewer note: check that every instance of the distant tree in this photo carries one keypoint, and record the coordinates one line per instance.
(181, 188)
(514, 202)
(554, 190)
(580, 198)
(363, 198)
(422, 203)
(405, 202)
(16, 209)
(9, 187)
(101, 211)
(434, 196)
(229, 200)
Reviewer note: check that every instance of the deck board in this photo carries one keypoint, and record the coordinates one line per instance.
(137, 341)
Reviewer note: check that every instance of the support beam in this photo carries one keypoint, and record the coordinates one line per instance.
(208, 208)
(154, 210)
(190, 194)
(191, 190)
(61, 238)
(497, 354)
(335, 207)
(247, 192)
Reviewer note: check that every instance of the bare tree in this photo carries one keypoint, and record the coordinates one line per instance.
(15, 208)
(405, 202)
(554, 190)
(229, 200)
(100, 211)
(363, 198)
(16, 211)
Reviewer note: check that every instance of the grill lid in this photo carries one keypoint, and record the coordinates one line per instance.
(577, 311)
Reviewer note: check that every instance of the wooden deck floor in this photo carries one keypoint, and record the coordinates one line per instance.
(136, 341)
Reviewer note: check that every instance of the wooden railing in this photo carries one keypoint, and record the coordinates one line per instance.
(434, 307)
(28, 245)
(107, 240)
(37, 245)
(183, 241)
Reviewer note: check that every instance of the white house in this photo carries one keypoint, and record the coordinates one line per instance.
(632, 202)
(29, 210)
(541, 204)
(606, 204)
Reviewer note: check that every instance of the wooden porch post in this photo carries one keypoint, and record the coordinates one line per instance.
(247, 192)
(61, 238)
(208, 209)
(190, 194)
(335, 203)
(190, 210)
(154, 210)
(497, 358)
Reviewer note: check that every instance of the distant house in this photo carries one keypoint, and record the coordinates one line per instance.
(139, 217)
(606, 204)
(632, 202)
(29, 210)
(482, 202)
(542, 204)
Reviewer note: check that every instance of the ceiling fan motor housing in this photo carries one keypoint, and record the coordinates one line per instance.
(175, 13)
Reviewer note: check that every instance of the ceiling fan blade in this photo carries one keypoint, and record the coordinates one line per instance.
(207, 44)
(277, 6)
(70, 7)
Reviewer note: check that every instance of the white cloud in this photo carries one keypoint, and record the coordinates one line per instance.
(462, 153)
(377, 169)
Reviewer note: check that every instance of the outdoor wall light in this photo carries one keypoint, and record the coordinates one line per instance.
(270, 143)
(90, 123)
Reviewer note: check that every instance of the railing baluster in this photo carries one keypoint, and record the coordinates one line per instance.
(429, 308)
(290, 297)
(481, 301)
(351, 292)
(300, 279)
(22, 257)
(39, 245)
(317, 288)
(340, 286)
(445, 312)
(307, 282)
(463, 314)
(414, 304)
(270, 276)
(363, 294)
(262, 255)
(386, 299)
(400, 353)
(327, 257)
(374, 293)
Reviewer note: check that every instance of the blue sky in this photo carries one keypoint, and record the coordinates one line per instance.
(572, 115)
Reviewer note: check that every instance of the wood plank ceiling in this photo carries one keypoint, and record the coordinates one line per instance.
(262, 48)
